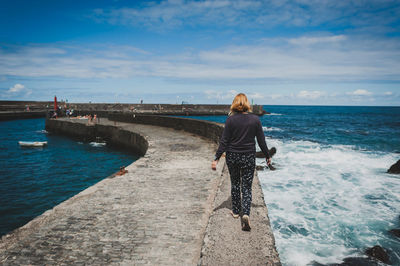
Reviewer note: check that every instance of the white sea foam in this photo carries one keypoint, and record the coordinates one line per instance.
(97, 144)
(266, 129)
(42, 131)
(329, 202)
(273, 114)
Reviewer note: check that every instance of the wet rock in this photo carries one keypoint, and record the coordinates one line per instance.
(351, 261)
(379, 253)
(395, 232)
(271, 152)
(314, 263)
(354, 261)
(262, 167)
(395, 169)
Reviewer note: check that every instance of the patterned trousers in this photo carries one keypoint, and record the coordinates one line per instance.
(241, 169)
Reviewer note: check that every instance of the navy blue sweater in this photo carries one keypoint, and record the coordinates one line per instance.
(239, 135)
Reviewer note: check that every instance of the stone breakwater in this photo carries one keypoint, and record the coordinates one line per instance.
(169, 209)
(18, 109)
(21, 115)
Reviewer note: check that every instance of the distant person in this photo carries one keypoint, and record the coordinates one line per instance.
(238, 141)
(90, 119)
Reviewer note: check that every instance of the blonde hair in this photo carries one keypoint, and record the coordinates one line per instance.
(240, 104)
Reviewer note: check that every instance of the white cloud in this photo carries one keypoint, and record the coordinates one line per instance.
(377, 15)
(210, 94)
(314, 40)
(255, 96)
(360, 92)
(16, 88)
(221, 95)
(171, 13)
(230, 94)
(388, 93)
(275, 58)
(274, 96)
(310, 94)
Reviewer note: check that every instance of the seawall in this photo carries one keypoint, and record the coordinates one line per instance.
(209, 130)
(111, 134)
(12, 108)
(169, 209)
(4, 116)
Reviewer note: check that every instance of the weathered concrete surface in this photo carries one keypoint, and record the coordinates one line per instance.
(207, 129)
(156, 214)
(226, 244)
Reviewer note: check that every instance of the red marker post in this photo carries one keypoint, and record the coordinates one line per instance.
(55, 105)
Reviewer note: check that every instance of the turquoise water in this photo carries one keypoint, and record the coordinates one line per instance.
(330, 197)
(33, 180)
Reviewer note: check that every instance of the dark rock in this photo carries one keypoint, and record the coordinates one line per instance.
(315, 263)
(379, 253)
(354, 261)
(262, 167)
(351, 261)
(271, 152)
(395, 232)
(395, 169)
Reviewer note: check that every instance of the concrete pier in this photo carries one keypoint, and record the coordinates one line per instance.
(18, 109)
(13, 115)
(169, 209)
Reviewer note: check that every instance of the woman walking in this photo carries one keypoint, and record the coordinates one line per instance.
(238, 141)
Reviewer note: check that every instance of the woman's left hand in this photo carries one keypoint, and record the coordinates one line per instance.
(214, 165)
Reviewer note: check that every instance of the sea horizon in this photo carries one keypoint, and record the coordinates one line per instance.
(188, 103)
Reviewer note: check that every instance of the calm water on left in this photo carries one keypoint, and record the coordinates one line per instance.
(33, 180)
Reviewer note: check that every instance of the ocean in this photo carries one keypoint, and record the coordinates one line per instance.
(330, 197)
(33, 180)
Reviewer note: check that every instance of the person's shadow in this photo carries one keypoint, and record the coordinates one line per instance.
(227, 204)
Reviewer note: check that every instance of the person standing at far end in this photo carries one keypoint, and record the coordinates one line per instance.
(238, 141)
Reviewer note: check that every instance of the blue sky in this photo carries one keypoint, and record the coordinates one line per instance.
(278, 52)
